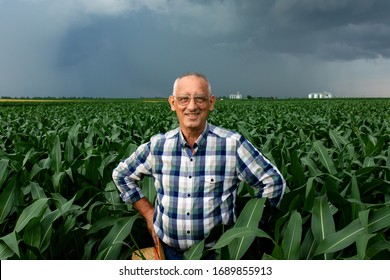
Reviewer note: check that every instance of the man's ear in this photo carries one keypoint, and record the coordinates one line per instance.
(171, 100)
(212, 102)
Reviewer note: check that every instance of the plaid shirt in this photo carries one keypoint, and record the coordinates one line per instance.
(196, 192)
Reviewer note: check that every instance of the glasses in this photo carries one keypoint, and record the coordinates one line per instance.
(186, 99)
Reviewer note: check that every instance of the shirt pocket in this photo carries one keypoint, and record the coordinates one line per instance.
(212, 184)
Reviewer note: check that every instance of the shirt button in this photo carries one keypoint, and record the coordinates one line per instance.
(188, 195)
(190, 176)
(191, 159)
(188, 232)
(188, 213)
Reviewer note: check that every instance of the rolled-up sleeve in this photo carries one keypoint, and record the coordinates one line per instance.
(130, 171)
(260, 173)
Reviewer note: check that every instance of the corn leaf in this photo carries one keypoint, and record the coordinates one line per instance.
(32, 234)
(297, 170)
(27, 157)
(36, 191)
(7, 199)
(377, 247)
(195, 252)
(355, 194)
(68, 225)
(69, 151)
(309, 194)
(11, 242)
(103, 223)
(73, 133)
(92, 165)
(111, 245)
(56, 154)
(249, 217)
(341, 239)
(3, 171)
(105, 162)
(5, 251)
(35, 170)
(380, 219)
(111, 194)
(313, 169)
(337, 140)
(57, 180)
(238, 232)
(363, 217)
(292, 237)
(47, 228)
(309, 244)
(322, 223)
(34, 210)
(324, 157)
(335, 196)
(361, 245)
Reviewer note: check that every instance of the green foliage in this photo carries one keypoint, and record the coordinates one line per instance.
(58, 200)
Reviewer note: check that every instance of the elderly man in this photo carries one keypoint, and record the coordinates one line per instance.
(196, 169)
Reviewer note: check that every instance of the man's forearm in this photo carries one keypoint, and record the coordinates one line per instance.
(144, 207)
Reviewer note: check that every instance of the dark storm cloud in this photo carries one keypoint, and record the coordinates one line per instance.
(132, 48)
(329, 29)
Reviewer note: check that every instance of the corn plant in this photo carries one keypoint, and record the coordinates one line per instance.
(57, 199)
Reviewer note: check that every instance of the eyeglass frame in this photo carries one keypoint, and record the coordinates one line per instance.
(203, 99)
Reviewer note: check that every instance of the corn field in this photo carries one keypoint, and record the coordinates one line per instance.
(58, 201)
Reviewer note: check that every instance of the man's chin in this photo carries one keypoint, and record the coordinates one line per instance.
(193, 125)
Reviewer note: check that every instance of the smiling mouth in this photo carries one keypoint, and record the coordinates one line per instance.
(192, 115)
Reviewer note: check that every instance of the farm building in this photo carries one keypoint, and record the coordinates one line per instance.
(235, 96)
(316, 95)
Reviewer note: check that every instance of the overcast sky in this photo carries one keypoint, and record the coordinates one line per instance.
(136, 48)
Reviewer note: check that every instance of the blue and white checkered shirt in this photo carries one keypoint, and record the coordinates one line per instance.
(196, 192)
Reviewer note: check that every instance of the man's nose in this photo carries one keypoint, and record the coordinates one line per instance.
(192, 103)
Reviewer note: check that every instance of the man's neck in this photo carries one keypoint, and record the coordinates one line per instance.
(191, 137)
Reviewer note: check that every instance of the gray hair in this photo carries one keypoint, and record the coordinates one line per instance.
(199, 75)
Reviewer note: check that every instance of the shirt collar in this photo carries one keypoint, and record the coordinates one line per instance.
(201, 139)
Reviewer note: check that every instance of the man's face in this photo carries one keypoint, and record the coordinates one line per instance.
(192, 103)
